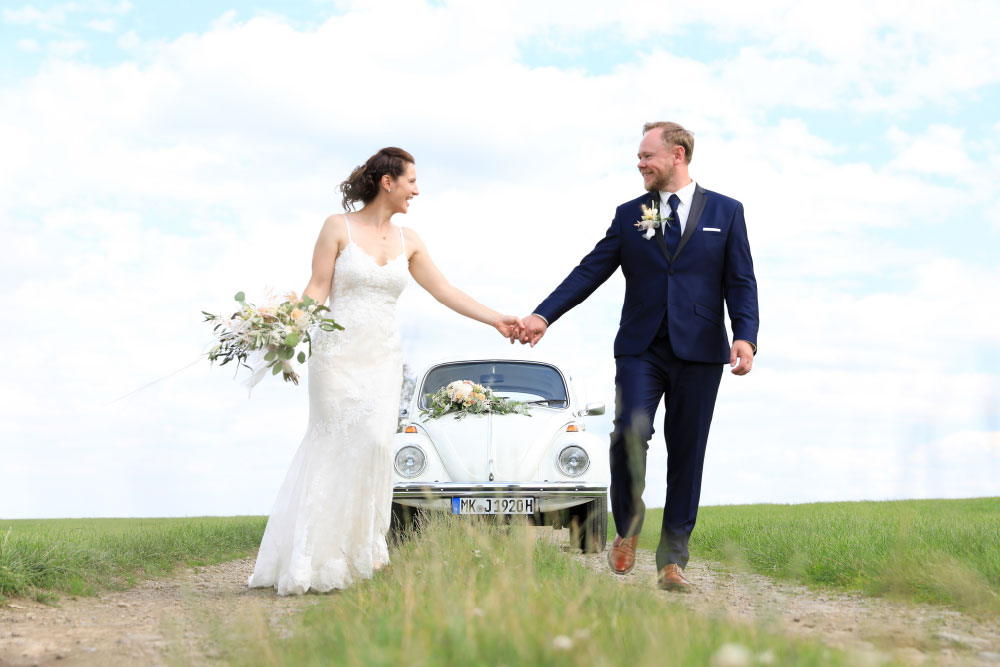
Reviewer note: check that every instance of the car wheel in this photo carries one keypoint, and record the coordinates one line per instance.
(403, 522)
(588, 526)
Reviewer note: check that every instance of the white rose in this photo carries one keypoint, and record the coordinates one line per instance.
(460, 390)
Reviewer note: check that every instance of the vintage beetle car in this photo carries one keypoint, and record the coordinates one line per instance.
(543, 465)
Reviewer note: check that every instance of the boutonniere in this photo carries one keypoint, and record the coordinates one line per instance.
(650, 220)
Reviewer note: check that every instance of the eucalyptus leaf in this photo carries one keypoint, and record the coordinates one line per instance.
(276, 369)
(271, 355)
(240, 296)
(287, 353)
(292, 339)
(302, 357)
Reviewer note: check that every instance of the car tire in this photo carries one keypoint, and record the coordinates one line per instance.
(588, 526)
(403, 521)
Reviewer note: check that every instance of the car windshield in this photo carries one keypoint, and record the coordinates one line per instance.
(515, 380)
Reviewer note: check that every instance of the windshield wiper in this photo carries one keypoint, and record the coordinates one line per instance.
(547, 401)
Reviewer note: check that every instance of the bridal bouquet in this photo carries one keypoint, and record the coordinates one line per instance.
(464, 397)
(273, 330)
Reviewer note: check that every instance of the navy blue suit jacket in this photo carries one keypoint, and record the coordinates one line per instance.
(687, 288)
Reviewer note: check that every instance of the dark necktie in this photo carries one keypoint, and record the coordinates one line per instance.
(672, 234)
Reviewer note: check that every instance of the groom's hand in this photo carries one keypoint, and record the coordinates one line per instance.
(742, 351)
(532, 329)
(510, 326)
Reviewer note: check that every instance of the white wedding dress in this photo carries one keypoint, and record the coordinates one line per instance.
(327, 529)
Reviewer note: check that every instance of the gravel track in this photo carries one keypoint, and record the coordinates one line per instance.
(172, 620)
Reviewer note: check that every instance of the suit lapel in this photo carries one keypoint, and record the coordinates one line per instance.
(697, 206)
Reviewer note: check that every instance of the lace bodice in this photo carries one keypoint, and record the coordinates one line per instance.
(364, 294)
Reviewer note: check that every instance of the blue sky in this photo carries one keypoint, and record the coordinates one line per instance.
(159, 157)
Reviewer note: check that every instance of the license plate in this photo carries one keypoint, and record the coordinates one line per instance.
(492, 505)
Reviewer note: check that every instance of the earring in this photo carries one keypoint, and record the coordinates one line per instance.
(388, 190)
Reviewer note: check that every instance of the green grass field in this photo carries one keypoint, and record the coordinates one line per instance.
(470, 593)
(41, 558)
(941, 551)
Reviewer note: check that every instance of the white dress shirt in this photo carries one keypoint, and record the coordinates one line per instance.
(685, 194)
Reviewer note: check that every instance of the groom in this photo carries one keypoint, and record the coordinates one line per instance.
(672, 340)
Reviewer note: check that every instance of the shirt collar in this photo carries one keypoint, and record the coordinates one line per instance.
(685, 194)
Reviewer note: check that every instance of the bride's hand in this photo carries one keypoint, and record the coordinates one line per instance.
(509, 327)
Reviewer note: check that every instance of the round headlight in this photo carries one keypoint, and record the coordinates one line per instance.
(410, 461)
(573, 461)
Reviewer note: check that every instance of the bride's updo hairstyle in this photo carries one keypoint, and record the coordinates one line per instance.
(363, 183)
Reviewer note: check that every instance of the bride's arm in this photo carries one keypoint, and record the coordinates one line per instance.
(428, 276)
(328, 246)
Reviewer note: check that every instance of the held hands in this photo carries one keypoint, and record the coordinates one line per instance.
(509, 326)
(743, 351)
(532, 329)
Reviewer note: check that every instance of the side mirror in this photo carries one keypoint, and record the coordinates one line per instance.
(592, 409)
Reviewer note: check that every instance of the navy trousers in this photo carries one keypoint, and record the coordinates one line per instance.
(689, 390)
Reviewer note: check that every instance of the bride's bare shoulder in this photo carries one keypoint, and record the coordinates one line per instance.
(334, 229)
(412, 238)
(335, 222)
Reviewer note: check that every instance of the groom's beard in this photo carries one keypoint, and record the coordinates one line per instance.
(660, 184)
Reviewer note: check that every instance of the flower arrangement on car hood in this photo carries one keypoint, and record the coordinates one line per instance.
(465, 397)
(273, 330)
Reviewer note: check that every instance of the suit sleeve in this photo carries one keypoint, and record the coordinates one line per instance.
(740, 284)
(595, 268)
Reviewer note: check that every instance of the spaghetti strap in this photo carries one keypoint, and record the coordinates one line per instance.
(348, 224)
(402, 240)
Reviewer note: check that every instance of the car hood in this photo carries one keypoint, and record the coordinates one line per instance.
(517, 443)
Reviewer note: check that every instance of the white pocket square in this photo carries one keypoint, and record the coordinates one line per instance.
(711, 229)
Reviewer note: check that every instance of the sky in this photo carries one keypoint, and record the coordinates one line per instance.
(159, 157)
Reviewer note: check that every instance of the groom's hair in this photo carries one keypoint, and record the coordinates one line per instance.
(674, 135)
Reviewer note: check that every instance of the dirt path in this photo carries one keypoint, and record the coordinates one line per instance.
(160, 622)
(171, 621)
(877, 630)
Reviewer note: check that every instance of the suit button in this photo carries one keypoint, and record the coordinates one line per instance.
(671, 272)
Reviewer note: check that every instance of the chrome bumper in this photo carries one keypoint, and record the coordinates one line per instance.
(549, 496)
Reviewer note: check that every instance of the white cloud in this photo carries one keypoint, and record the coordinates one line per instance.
(136, 195)
(28, 45)
(67, 48)
(52, 18)
(103, 25)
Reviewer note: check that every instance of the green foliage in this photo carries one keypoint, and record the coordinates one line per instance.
(464, 397)
(940, 551)
(475, 593)
(252, 328)
(78, 556)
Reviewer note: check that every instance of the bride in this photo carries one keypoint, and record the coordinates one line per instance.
(327, 528)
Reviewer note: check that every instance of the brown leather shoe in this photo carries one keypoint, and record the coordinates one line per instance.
(671, 578)
(621, 555)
